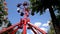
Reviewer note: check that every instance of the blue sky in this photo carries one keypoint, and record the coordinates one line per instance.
(14, 17)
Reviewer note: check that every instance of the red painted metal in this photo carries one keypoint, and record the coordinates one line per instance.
(24, 26)
(37, 28)
(14, 31)
(33, 30)
(9, 28)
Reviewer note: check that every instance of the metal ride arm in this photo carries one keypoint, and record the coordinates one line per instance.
(33, 30)
(14, 31)
(43, 32)
(11, 27)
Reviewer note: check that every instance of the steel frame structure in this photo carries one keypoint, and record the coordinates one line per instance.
(23, 24)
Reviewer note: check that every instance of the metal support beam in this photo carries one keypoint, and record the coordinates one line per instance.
(37, 28)
(33, 30)
(24, 27)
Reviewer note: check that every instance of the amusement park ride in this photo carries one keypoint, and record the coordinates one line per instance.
(24, 22)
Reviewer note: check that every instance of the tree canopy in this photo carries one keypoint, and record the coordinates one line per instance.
(41, 5)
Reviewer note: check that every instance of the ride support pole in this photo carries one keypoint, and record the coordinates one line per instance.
(24, 27)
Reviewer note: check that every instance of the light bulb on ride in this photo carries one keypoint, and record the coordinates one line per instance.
(18, 10)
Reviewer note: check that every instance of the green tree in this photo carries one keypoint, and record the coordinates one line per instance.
(42, 5)
(4, 22)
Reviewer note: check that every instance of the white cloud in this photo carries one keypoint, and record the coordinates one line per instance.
(44, 29)
(38, 24)
(27, 33)
(47, 9)
(46, 24)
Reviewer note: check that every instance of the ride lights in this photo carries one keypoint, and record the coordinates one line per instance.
(19, 8)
